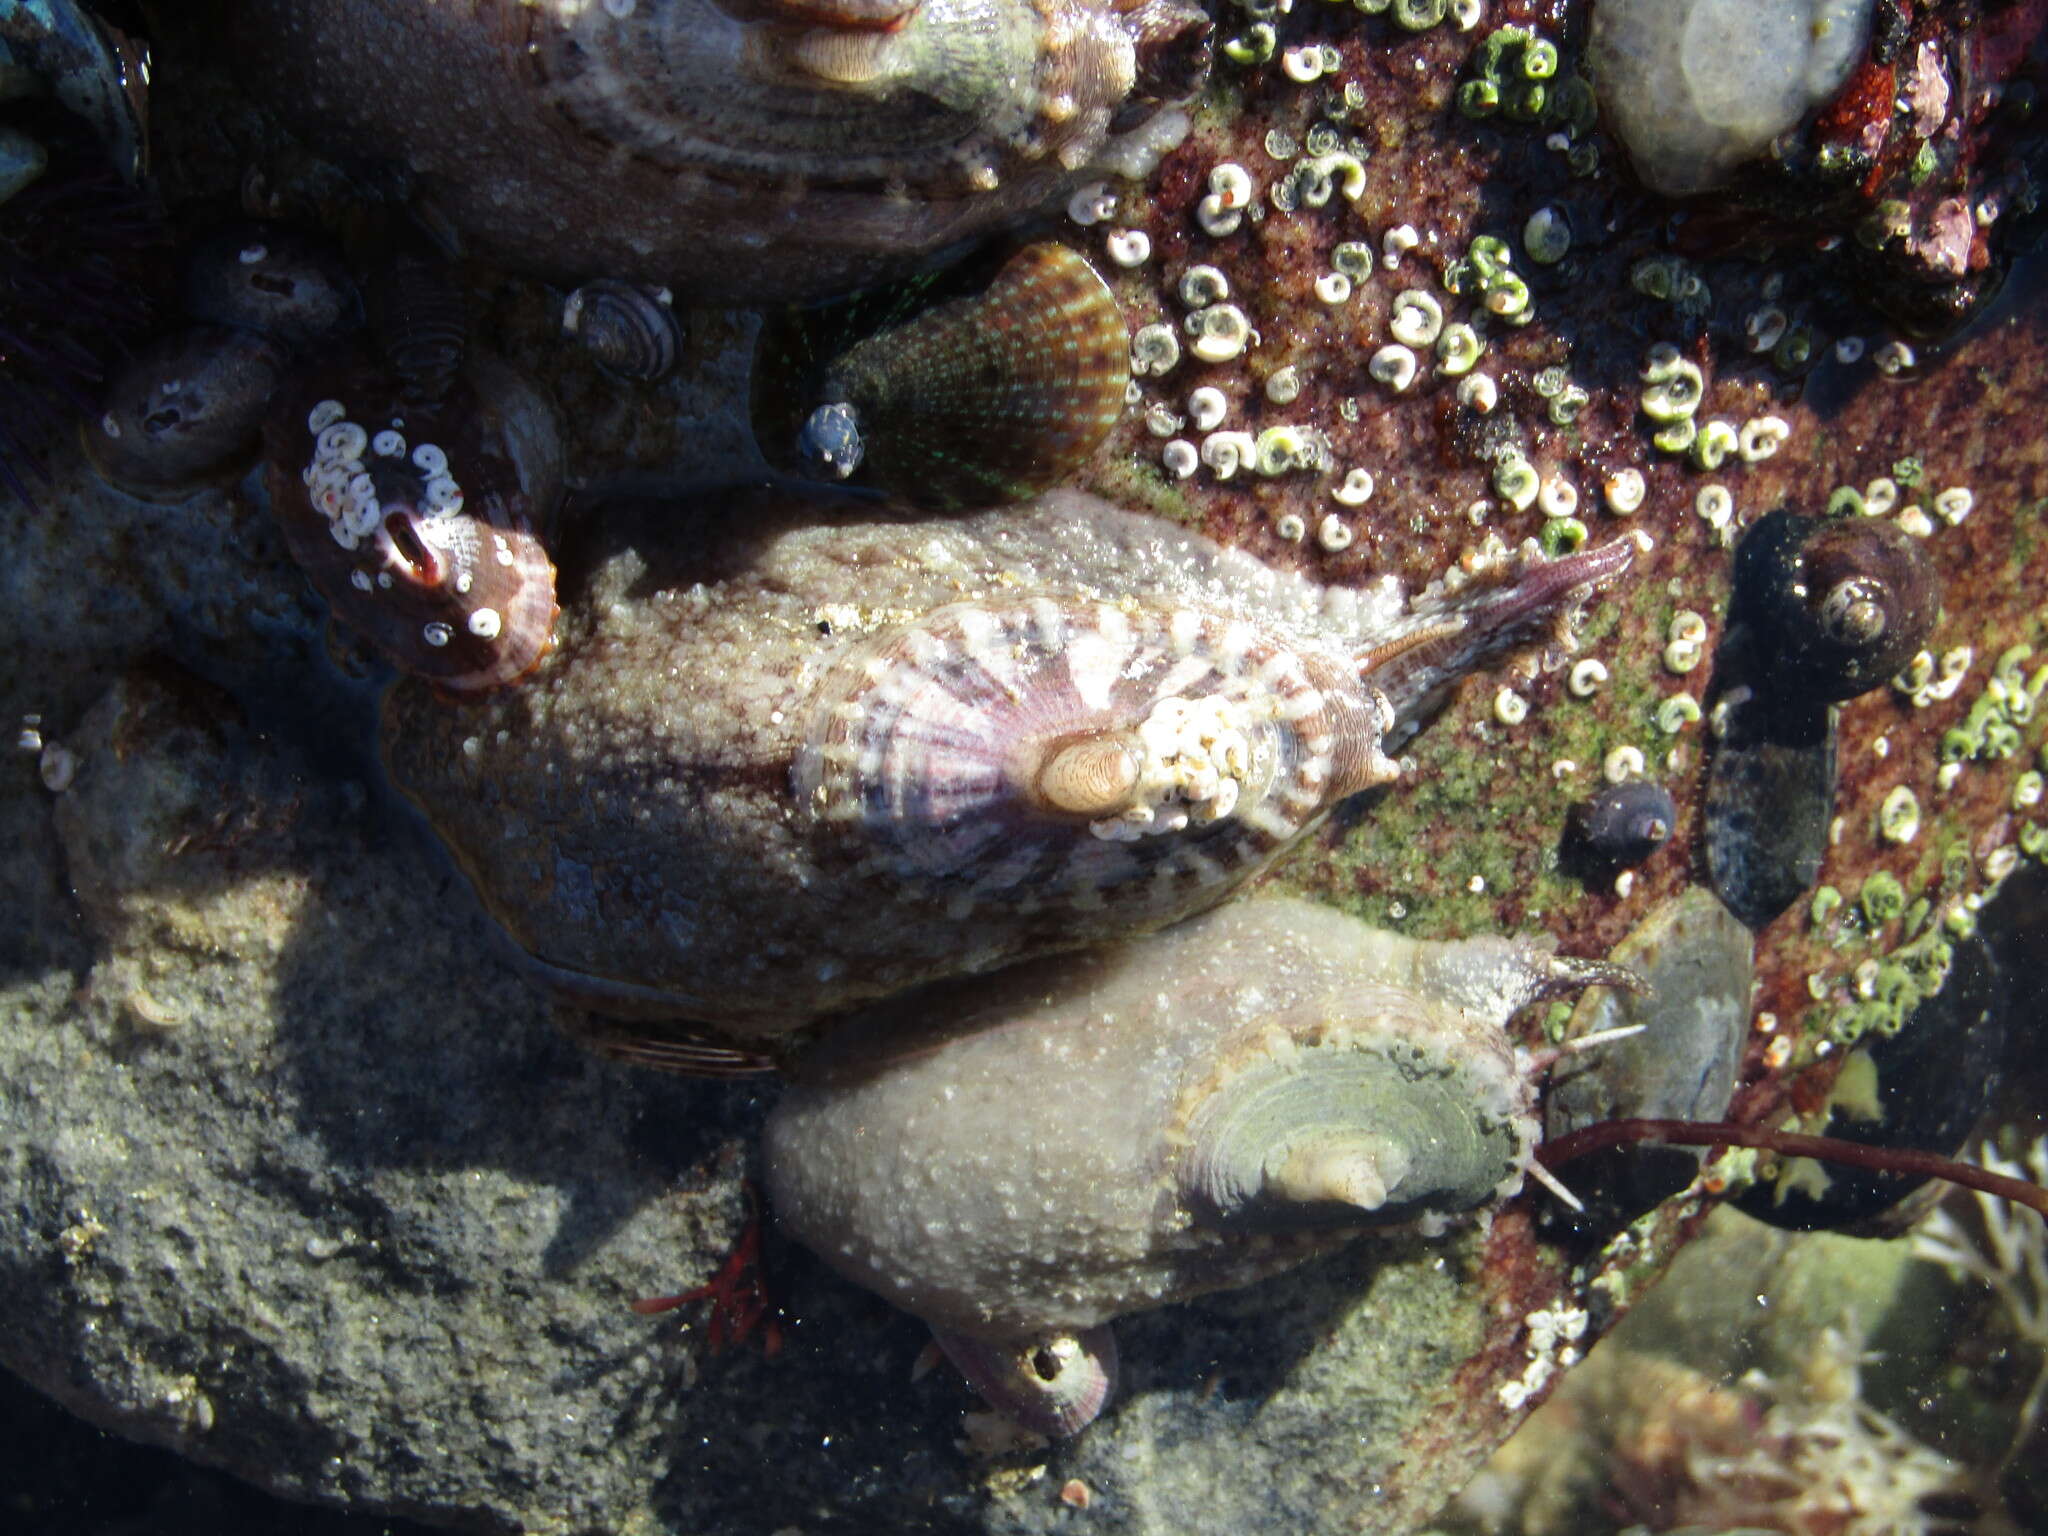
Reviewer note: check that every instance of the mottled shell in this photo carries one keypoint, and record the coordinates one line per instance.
(793, 755)
(629, 328)
(284, 282)
(184, 412)
(1048, 1149)
(421, 525)
(979, 400)
(775, 149)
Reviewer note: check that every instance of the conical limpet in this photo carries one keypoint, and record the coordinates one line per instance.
(978, 400)
(796, 754)
(1020, 1160)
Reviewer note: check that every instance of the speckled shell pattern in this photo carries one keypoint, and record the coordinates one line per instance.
(1006, 1160)
(740, 153)
(785, 748)
(422, 525)
(989, 398)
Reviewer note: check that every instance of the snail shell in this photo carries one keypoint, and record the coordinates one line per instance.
(1840, 604)
(184, 412)
(1020, 1160)
(419, 524)
(1622, 825)
(979, 400)
(779, 149)
(801, 755)
(630, 329)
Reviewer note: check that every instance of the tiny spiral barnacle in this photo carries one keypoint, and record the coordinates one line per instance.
(629, 328)
(184, 412)
(1840, 603)
(1062, 721)
(772, 149)
(421, 525)
(979, 399)
(1185, 1113)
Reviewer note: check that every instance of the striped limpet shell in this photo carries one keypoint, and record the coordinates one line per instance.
(795, 754)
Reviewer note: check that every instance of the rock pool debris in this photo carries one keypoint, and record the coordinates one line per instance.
(1200, 1108)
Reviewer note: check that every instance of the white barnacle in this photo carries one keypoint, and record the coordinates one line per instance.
(1226, 452)
(1091, 204)
(1557, 497)
(1623, 492)
(1285, 447)
(1916, 522)
(436, 634)
(1333, 533)
(1715, 505)
(1394, 366)
(1232, 184)
(1713, 442)
(1894, 358)
(1478, 392)
(325, 415)
(1303, 65)
(388, 444)
(1221, 332)
(1764, 327)
(1155, 349)
(1129, 247)
(1458, 350)
(430, 459)
(1201, 286)
(1509, 707)
(1622, 763)
(341, 440)
(1398, 242)
(1898, 818)
(1953, 504)
(1880, 496)
(1417, 317)
(1333, 288)
(1763, 436)
(1356, 490)
(1515, 481)
(1586, 677)
(485, 623)
(1207, 407)
(1677, 712)
(1291, 527)
(1850, 349)
(1283, 385)
(1161, 421)
(1179, 458)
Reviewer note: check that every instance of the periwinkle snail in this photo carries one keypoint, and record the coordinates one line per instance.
(1020, 1160)
(1838, 604)
(980, 399)
(795, 754)
(777, 149)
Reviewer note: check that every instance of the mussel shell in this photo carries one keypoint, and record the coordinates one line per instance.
(1770, 799)
(1698, 961)
(973, 401)
(1839, 604)
(1935, 1079)
(420, 525)
(289, 284)
(185, 412)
